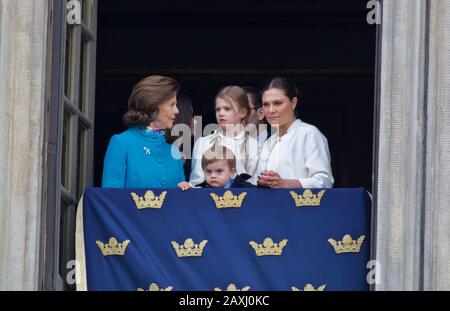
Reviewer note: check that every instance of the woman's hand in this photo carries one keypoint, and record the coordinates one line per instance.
(184, 185)
(272, 179)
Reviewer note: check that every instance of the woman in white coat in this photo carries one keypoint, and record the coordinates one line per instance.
(297, 154)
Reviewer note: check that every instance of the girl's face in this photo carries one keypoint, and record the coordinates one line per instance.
(227, 114)
(278, 108)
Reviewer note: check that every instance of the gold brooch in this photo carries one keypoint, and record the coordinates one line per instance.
(268, 247)
(155, 288)
(233, 288)
(189, 248)
(228, 199)
(309, 288)
(113, 247)
(149, 200)
(307, 198)
(347, 245)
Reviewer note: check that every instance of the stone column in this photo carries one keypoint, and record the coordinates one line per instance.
(23, 51)
(413, 200)
(401, 116)
(437, 179)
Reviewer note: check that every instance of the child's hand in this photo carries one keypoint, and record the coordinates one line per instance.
(184, 185)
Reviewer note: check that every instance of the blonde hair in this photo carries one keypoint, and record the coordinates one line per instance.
(219, 152)
(236, 97)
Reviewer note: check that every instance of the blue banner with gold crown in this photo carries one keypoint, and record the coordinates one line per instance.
(213, 239)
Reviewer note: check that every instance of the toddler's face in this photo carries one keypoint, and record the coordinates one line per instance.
(218, 173)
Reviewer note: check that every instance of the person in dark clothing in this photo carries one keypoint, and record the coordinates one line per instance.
(183, 131)
(240, 181)
(219, 166)
(259, 130)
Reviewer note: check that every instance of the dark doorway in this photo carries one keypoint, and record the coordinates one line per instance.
(326, 46)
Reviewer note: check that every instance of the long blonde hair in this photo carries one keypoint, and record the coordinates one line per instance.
(236, 97)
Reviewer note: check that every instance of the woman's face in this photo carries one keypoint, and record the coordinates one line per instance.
(227, 114)
(278, 108)
(167, 112)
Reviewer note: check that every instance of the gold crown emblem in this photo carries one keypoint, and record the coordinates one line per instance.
(189, 248)
(149, 200)
(347, 245)
(309, 288)
(268, 247)
(228, 199)
(307, 198)
(233, 288)
(113, 247)
(155, 288)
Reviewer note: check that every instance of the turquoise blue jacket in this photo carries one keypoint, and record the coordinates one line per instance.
(140, 158)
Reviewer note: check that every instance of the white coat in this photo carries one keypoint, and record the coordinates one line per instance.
(302, 154)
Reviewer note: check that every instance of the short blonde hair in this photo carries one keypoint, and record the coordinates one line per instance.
(218, 152)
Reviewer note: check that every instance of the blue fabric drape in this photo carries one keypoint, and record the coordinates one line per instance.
(308, 257)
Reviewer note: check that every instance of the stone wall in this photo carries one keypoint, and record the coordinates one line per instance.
(437, 178)
(412, 207)
(23, 50)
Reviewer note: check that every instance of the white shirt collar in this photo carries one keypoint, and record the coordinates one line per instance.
(292, 128)
(296, 124)
(240, 136)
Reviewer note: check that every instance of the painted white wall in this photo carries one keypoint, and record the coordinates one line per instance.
(23, 41)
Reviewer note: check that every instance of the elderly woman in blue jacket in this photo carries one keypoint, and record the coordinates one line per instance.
(140, 157)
